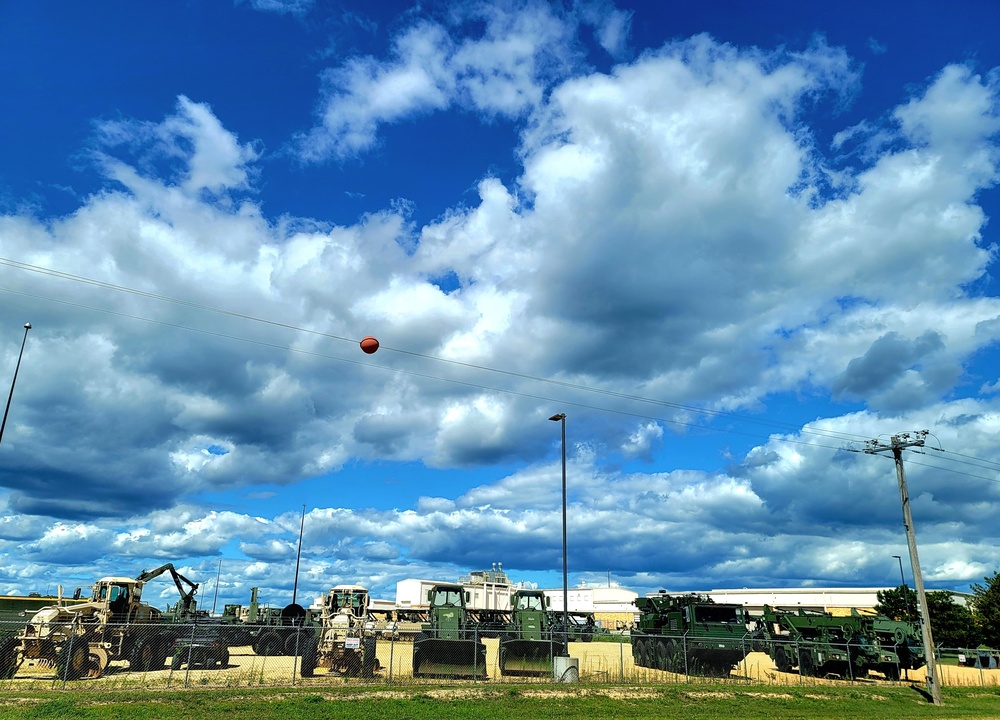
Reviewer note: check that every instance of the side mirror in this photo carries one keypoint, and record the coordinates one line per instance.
(468, 595)
(76, 595)
(430, 596)
(548, 601)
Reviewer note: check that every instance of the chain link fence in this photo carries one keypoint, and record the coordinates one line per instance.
(216, 655)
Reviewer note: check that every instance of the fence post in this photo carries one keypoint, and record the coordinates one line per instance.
(187, 669)
(684, 650)
(295, 658)
(392, 657)
(744, 663)
(69, 658)
(798, 660)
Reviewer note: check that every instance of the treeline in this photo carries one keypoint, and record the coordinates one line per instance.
(953, 625)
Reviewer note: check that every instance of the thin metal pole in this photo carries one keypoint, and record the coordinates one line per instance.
(564, 553)
(298, 556)
(561, 418)
(217, 576)
(902, 584)
(27, 327)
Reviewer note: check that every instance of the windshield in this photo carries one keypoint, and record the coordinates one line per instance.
(529, 602)
(719, 614)
(447, 597)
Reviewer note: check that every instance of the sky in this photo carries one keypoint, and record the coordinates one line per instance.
(731, 242)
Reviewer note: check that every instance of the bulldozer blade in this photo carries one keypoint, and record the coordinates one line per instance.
(449, 659)
(528, 657)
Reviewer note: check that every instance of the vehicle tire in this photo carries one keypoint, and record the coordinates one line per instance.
(8, 658)
(178, 660)
(269, 644)
(781, 659)
(295, 643)
(223, 658)
(72, 662)
(162, 652)
(891, 672)
(660, 661)
(638, 652)
(675, 657)
(143, 656)
(806, 665)
(307, 666)
(369, 661)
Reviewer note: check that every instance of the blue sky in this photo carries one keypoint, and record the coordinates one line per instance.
(730, 245)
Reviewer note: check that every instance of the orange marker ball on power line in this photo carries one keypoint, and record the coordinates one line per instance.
(369, 345)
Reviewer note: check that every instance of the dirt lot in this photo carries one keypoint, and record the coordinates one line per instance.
(599, 662)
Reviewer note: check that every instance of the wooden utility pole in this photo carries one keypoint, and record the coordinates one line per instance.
(896, 445)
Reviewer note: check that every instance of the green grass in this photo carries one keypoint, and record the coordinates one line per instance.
(700, 702)
(611, 637)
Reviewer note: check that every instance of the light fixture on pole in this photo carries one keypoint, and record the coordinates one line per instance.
(27, 327)
(561, 418)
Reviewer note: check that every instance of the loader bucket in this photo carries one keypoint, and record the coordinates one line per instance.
(433, 657)
(529, 657)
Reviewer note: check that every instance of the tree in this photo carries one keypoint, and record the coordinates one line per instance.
(986, 609)
(952, 624)
(897, 604)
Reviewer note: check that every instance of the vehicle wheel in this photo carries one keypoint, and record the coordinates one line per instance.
(307, 666)
(223, 658)
(637, 652)
(162, 651)
(8, 658)
(143, 656)
(891, 672)
(72, 662)
(660, 656)
(781, 659)
(269, 645)
(296, 643)
(177, 660)
(368, 661)
(806, 666)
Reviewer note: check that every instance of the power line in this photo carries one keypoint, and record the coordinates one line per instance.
(425, 376)
(801, 430)
(558, 383)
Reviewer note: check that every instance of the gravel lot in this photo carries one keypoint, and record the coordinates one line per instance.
(599, 662)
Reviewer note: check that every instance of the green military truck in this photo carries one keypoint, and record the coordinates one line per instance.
(821, 644)
(449, 646)
(689, 634)
(531, 640)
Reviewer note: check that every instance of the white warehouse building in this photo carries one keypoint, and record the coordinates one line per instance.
(613, 607)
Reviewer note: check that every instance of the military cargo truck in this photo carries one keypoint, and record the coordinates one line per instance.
(689, 634)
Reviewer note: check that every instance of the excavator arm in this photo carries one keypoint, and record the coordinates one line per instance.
(187, 595)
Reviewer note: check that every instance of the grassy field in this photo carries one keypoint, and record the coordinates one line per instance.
(698, 702)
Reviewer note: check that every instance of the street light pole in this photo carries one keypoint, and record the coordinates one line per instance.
(27, 327)
(902, 584)
(561, 418)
